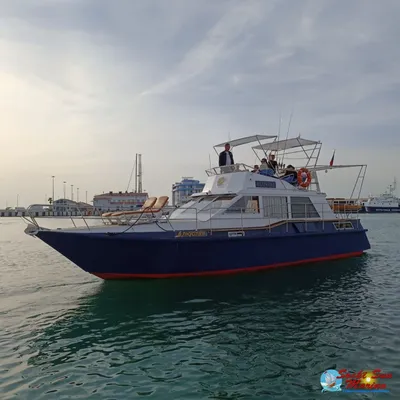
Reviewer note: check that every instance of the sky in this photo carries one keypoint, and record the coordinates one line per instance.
(87, 84)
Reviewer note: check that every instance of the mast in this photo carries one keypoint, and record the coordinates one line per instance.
(139, 189)
(136, 174)
(130, 178)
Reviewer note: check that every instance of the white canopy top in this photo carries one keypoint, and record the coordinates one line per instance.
(245, 140)
(286, 144)
(326, 167)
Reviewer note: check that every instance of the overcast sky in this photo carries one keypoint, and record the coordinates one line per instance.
(86, 84)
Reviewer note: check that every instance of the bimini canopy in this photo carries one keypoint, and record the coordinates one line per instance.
(287, 144)
(246, 140)
(318, 168)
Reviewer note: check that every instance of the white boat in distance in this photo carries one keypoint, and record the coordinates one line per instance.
(385, 203)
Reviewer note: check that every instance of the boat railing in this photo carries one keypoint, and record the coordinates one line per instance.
(274, 214)
(227, 169)
(31, 215)
(211, 218)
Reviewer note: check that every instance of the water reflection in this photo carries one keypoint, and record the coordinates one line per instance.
(169, 310)
(245, 334)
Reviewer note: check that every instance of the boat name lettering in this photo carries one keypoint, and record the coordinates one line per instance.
(236, 234)
(191, 234)
(266, 184)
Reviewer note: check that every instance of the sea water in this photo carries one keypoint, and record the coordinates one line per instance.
(267, 335)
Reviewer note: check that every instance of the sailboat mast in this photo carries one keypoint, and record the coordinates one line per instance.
(136, 174)
(140, 189)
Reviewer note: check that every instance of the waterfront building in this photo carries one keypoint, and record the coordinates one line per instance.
(68, 206)
(119, 201)
(181, 191)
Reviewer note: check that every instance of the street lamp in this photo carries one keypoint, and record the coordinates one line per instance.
(65, 190)
(77, 195)
(53, 189)
(72, 192)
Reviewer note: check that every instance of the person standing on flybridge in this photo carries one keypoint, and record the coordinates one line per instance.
(226, 158)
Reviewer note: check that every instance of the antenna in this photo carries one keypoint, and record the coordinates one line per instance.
(280, 121)
(287, 134)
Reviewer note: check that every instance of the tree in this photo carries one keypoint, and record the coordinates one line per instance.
(50, 200)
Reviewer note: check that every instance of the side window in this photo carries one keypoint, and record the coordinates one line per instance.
(238, 206)
(302, 207)
(275, 206)
(249, 204)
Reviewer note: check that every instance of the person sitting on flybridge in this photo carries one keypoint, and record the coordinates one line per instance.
(290, 175)
(265, 168)
(226, 159)
(256, 169)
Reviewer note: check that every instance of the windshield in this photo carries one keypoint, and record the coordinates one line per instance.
(219, 203)
(204, 204)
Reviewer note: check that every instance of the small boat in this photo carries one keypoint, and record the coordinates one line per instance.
(242, 221)
(341, 205)
(385, 203)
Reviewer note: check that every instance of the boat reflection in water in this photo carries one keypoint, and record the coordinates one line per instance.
(133, 315)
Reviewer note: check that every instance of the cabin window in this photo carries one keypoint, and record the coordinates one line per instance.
(302, 207)
(343, 225)
(275, 206)
(249, 204)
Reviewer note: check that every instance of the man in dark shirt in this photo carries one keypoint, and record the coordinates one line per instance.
(272, 163)
(226, 157)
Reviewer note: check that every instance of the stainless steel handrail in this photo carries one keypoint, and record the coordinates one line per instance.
(276, 213)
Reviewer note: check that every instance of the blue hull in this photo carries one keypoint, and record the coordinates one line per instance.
(162, 255)
(369, 209)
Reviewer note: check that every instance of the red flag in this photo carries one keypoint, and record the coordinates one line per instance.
(333, 157)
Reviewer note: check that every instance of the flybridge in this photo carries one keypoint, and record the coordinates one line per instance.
(232, 183)
(296, 151)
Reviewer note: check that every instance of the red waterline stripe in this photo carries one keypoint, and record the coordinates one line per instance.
(226, 271)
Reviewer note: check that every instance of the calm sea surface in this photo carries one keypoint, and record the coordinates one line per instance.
(65, 334)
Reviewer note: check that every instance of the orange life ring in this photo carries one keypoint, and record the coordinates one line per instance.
(300, 176)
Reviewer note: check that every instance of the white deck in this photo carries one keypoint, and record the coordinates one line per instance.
(236, 200)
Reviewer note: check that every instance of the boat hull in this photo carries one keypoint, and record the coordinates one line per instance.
(369, 209)
(173, 254)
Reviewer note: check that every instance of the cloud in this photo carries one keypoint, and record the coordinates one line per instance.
(219, 41)
(88, 83)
